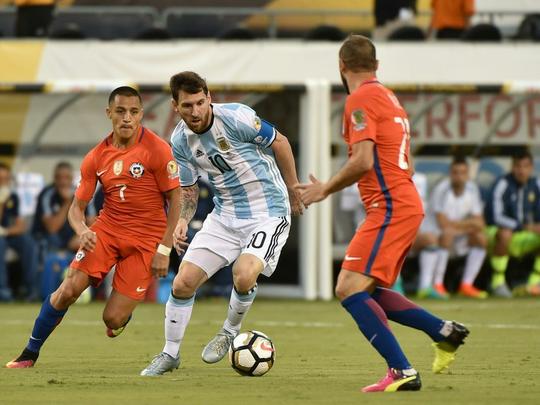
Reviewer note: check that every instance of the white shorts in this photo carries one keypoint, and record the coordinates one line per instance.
(222, 239)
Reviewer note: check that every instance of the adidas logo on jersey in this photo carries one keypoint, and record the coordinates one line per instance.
(199, 153)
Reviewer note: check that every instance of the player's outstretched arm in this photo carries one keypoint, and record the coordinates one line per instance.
(285, 161)
(77, 221)
(360, 162)
(160, 261)
(188, 206)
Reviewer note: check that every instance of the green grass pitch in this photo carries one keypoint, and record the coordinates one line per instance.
(321, 357)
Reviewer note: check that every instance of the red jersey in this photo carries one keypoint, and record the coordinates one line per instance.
(134, 181)
(372, 112)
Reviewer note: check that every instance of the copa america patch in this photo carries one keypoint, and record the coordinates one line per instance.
(358, 120)
(80, 255)
(136, 170)
(172, 169)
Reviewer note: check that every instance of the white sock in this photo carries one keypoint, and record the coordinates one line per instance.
(473, 264)
(239, 305)
(177, 315)
(428, 260)
(440, 268)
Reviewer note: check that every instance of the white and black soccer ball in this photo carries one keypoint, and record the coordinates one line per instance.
(252, 353)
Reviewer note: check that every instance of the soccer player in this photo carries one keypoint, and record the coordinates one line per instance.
(376, 130)
(251, 169)
(513, 217)
(133, 232)
(455, 215)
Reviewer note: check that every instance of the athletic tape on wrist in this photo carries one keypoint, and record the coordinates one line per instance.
(164, 250)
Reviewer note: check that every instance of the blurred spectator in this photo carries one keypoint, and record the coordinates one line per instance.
(390, 15)
(513, 215)
(51, 225)
(13, 234)
(33, 17)
(450, 18)
(455, 216)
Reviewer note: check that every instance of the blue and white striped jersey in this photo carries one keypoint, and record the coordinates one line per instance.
(235, 153)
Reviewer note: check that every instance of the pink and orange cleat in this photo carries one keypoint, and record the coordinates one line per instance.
(397, 380)
(27, 359)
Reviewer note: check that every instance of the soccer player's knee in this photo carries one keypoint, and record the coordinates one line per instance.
(342, 291)
(183, 288)
(245, 279)
(66, 294)
(114, 320)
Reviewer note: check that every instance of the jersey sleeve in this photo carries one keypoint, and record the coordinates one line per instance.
(362, 120)
(252, 129)
(165, 168)
(187, 171)
(87, 185)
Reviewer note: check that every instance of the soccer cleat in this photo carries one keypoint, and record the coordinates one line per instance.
(445, 350)
(112, 333)
(218, 347)
(430, 293)
(441, 290)
(397, 380)
(161, 364)
(27, 359)
(502, 291)
(469, 290)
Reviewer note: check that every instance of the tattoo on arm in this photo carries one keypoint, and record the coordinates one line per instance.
(190, 197)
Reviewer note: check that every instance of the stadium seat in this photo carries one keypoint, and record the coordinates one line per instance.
(153, 34)
(237, 33)
(184, 25)
(407, 33)
(325, 33)
(482, 33)
(70, 31)
(105, 22)
(7, 22)
(529, 28)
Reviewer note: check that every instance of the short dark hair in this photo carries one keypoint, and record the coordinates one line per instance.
(358, 54)
(459, 160)
(522, 154)
(124, 91)
(62, 165)
(187, 81)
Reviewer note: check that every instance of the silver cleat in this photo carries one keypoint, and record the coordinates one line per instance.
(218, 347)
(161, 364)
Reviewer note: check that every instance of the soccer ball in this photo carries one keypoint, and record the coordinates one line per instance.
(252, 353)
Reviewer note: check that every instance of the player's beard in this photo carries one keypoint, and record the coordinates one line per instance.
(345, 84)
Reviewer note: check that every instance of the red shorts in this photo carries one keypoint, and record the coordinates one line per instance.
(379, 247)
(132, 257)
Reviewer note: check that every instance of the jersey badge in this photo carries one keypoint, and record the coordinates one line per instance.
(358, 120)
(117, 167)
(172, 169)
(136, 170)
(257, 124)
(9, 204)
(258, 139)
(532, 197)
(223, 144)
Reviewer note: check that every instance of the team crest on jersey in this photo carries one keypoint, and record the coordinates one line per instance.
(532, 197)
(358, 120)
(117, 167)
(172, 169)
(136, 170)
(223, 144)
(257, 124)
(80, 255)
